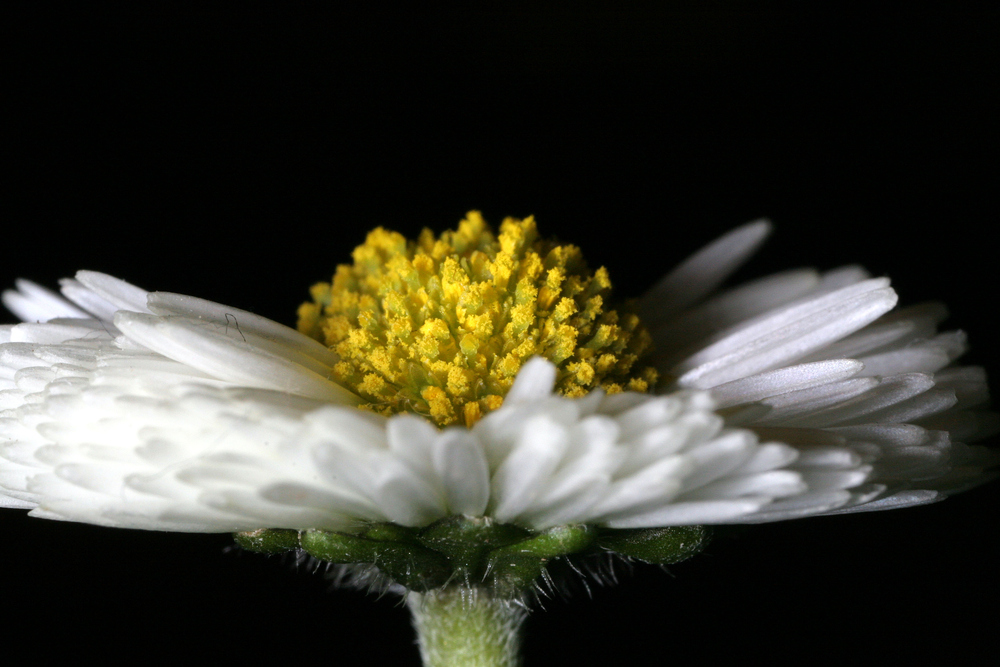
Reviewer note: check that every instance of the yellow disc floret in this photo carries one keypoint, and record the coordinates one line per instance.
(442, 325)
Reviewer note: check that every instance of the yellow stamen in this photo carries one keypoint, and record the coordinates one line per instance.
(441, 326)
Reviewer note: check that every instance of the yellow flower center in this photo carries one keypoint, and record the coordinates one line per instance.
(441, 326)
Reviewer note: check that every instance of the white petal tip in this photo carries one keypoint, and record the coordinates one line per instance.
(534, 381)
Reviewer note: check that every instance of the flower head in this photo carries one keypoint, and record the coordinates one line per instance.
(498, 386)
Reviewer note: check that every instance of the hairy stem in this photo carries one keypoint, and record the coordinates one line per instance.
(460, 626)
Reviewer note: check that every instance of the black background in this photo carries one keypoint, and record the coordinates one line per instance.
(239, 154)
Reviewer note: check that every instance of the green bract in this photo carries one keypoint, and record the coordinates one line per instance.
(476, 551)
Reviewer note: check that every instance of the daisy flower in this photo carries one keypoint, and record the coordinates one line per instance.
(458, 410)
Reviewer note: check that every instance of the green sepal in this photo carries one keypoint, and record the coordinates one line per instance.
(476, 550)
(415, 567)
(388, 532)
(656, 545)
(468, 541)
(268, 540)
(516, 566)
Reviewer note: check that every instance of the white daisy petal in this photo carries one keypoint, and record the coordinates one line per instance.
(655, 484)
(969, 384)
(166, 303)
(847, 405)
(703, 271)
(406, 498)
(534, 382)
(806, 504)
(461, 466)
(775, 483)
(9, 502)
(117, 292)
(893, 330)
(770, 456)
(34, 303)
(227, 356)
(895, 501)
(787, 335)
(533, 459)
(413, 440)
(693, 513)
(60, 330)
(730, 308)
(723, 456)
(784, 380)
(87, 299)
(336, 502)
(585, 473)
(926, 356)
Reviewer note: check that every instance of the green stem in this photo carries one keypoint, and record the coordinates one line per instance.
(460, 626)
